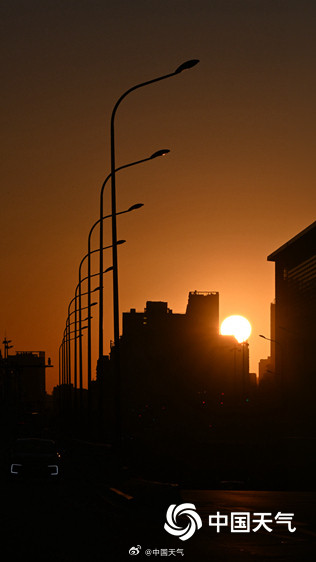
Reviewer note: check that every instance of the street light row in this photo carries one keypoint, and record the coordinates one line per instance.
(65, 362)
(65, 349)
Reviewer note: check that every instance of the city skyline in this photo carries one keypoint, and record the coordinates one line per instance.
(237, 184)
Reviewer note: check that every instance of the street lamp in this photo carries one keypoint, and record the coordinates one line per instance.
(156, 154)
(62, 375)
(66, 340)
(119, 242)
(99, 221)
(65, 371)
(265, 338)
(116, 356)
(64, 367)
(281, 356)
(75, 322)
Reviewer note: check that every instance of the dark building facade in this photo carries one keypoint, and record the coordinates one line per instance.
(22, 381)
(293, 350)
(176, 369)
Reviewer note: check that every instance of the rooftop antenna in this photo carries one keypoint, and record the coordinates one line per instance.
(6, 347)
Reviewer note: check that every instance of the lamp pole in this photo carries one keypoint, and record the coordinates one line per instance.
(116, 356)
(80, 308)
(99, 221)
(68, 340)
(66, 372)
(281, 357)
(156, 154)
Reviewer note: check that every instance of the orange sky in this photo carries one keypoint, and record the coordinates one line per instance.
(238, 182)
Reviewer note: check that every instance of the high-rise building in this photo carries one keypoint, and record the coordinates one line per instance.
(203, 311)
(294, 337)
(22, 380)
(171, 361)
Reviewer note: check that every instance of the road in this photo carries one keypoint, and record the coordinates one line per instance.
(80, 519)
(277, 545)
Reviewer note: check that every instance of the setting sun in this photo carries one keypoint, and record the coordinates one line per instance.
(237, 326)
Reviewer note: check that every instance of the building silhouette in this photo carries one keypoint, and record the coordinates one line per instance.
(177, 371)
(294, 338)
(22, 381)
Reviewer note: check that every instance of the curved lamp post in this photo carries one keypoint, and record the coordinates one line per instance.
(116, 356)
(64, 376)
(99, 221)
(64, 373)
(75, 322)
(281, 356)
(66, 342)
(80, 295)
(156, 154)
(268, 339)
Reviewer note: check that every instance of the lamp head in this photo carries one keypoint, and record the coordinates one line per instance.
(109, 269)
(186, 65)
(136, 206)
(120, 242)
(162, 152)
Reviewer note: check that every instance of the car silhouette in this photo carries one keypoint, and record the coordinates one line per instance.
(35, 457)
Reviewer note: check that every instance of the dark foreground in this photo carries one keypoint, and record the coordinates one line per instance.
(80, 518)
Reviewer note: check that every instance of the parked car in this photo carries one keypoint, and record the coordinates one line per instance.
(35, 457)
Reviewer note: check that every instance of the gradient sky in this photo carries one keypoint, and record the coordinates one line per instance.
(238, 183)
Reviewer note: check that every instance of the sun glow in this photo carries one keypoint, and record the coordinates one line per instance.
(236, 326)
